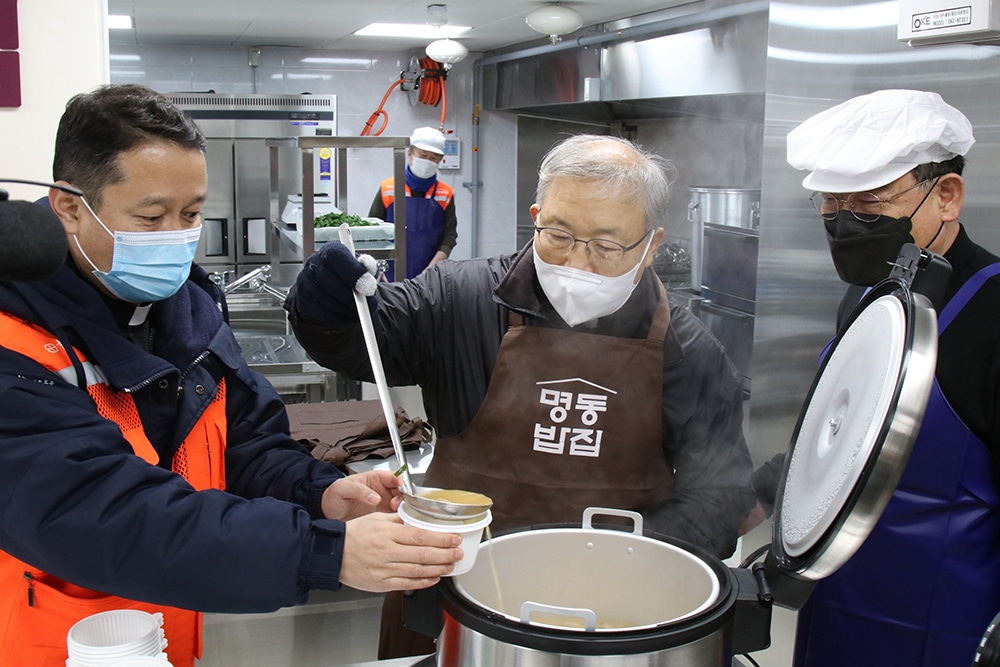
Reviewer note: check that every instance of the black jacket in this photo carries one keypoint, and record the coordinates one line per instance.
(442, 331)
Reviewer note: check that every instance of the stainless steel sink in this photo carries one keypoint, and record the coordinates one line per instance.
(269, 347)
(263, 348)
(254, 313)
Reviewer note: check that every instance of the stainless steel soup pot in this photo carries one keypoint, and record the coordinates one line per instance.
(588, 596)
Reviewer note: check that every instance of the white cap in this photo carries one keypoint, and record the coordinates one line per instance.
(871, 140)
(429, 139)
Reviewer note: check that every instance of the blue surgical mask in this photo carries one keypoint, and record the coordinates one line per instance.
(146, 266)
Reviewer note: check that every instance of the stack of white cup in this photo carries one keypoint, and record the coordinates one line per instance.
(118, 637)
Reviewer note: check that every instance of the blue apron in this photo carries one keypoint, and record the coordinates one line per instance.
(924, 586)
(424, 226)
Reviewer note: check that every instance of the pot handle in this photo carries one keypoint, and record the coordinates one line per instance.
(693, 208)
(588, 615)
(755, 215)
(590, 512)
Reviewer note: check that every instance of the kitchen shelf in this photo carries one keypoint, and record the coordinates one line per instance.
(307, 146)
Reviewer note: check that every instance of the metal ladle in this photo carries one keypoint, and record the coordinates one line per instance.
(439, 509)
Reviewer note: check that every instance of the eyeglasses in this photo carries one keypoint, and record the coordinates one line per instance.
(606, 253)
(865, 206)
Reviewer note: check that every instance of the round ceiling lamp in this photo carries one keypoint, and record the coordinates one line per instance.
(446, 51)
(554, 20)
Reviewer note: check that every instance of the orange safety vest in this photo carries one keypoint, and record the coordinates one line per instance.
(442, 194)
(37, 609)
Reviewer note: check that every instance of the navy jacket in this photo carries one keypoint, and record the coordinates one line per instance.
(77, 503)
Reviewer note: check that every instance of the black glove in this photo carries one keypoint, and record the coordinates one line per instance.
(324, 290)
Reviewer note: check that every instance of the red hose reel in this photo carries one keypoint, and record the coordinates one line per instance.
(425, 84)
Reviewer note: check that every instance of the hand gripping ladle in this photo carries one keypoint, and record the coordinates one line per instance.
(414, 495)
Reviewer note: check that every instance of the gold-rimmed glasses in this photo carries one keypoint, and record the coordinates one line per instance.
(865, 206)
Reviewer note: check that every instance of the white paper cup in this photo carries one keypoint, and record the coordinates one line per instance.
(113, 635)
(472, 534)
(141, 661)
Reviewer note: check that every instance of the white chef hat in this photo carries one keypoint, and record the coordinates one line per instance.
(871, 140)
(429, 139)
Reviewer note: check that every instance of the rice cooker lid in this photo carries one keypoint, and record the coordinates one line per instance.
(856, 431)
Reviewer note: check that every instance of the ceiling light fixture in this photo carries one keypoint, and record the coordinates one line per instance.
(554, 20)
(119, 22)
(411, 30)
(446, 51)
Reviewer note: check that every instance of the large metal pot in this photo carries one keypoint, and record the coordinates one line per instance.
(729, 206)
(735, 207)
(586, 597)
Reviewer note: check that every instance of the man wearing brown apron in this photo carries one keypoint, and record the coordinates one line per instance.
(560, 377)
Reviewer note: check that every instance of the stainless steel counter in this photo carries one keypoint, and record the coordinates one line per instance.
(397, 662)
(428, 660)
(333, 628)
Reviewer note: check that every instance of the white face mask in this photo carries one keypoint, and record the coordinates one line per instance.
(580, 296)
(422, 168)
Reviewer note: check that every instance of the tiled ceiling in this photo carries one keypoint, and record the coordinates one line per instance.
(321, 24)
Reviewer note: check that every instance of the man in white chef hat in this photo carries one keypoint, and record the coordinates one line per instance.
(886, 169)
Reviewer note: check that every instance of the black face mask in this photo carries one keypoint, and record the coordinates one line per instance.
(863, 252)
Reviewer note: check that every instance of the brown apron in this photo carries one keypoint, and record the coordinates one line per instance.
(570, 420)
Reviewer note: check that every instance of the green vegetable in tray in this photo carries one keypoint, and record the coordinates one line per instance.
(337, 219)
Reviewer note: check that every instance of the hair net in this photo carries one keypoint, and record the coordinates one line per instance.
(871, 140)
(428, 139)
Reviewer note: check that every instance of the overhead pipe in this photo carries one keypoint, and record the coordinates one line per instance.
(475, 185)
(692, 21)
(659, 28)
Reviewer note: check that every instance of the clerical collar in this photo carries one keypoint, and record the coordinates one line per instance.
(140, 314)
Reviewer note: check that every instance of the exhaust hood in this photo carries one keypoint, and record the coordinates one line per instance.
(716, 68)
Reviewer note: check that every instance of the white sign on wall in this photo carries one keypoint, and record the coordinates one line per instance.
(452, 154)
(925, 22)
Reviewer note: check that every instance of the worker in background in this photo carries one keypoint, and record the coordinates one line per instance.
(558, 377)
(431, 222)
(886, 169)
(142, 463)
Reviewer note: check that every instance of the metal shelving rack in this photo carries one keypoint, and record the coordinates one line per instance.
(307, 146)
